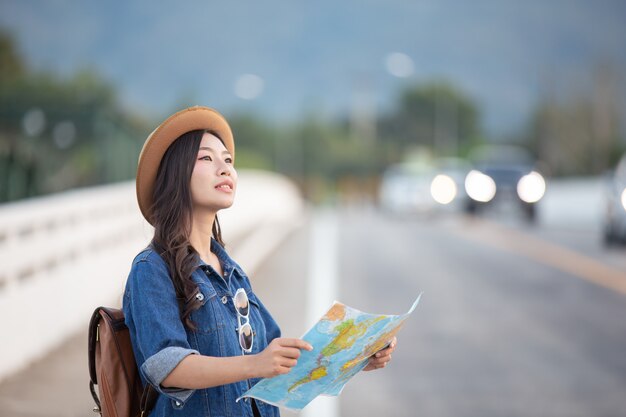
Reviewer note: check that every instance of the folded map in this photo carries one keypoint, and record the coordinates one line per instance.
(343, 340)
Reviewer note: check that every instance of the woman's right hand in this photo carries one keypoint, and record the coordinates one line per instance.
(279, 357)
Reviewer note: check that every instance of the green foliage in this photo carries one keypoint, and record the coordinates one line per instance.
(577, 137)
(11, 65)
(249, 159)
(60, 133)
(436, 115)
(81, 137)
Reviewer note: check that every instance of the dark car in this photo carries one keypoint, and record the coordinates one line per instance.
(615, 214)
(504, 173)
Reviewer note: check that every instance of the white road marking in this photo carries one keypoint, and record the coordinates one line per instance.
(322, 290)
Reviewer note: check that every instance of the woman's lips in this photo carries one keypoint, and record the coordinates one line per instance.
(225, 188)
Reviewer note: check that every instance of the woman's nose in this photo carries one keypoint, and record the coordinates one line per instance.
(224, 170)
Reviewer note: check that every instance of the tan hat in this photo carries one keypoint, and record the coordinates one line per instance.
(192, 118)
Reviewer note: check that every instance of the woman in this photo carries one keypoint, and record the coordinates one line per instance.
(201, 336)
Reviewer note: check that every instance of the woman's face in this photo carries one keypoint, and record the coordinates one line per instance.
(214, 179)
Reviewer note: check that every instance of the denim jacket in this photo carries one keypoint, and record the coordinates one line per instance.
(160, 340)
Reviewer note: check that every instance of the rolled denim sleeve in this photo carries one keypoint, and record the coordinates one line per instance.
(156, 330)
(158, 366)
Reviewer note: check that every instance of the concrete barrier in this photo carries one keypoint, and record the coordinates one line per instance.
(65, 254)
(574, 203)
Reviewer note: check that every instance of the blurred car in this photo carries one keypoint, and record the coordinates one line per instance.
(420, 188)
(448, 184)
(504, 173)
(405, 188)
(615, 214)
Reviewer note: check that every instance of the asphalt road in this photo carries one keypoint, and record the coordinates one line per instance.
(514, 321)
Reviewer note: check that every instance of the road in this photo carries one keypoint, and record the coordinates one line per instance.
(513, 321)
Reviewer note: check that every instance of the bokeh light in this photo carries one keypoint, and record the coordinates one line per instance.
(480, 187)
(399, 65)
(64, 134)
(443, 189)
(249, 86)
(531, 187)
(34, 122)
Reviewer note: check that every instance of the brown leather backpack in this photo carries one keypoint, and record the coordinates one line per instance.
(113, 369)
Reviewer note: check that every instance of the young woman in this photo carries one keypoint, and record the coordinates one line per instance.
(201, 336)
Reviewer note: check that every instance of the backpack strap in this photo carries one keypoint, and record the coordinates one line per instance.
(91, 349)
(148, 399)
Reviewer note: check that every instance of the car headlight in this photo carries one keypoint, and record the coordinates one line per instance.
(531, 187)
(443, 189)
(624, 198)
(480, 187)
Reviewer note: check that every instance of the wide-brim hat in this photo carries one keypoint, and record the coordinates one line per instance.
(192, 118)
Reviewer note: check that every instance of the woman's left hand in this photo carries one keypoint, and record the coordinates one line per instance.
(382, 358)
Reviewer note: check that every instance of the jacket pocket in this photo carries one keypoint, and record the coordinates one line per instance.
(207, 318)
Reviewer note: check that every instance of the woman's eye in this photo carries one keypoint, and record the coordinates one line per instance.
(229, 160)
(206, 158)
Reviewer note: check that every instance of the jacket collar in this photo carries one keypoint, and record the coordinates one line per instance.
(225, 260)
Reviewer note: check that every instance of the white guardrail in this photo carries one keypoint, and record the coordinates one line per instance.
(63, 255)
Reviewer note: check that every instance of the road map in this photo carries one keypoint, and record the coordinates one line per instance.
(343, 340)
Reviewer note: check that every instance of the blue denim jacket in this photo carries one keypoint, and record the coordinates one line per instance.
(160, 340)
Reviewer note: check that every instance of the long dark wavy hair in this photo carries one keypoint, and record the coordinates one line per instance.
(172, 218)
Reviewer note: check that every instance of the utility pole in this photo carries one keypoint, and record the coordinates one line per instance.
(363, 111)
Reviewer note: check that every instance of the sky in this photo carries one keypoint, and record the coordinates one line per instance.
(316, 57)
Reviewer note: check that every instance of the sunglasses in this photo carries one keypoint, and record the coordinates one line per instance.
(242, 306)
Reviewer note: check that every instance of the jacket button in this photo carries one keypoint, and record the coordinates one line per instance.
(224, 300)
(199, 296)
(178, 403)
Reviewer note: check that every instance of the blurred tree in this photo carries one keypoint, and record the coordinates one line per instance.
(436, 115)
(321, 155)
(11, 65)
(578, 136)
(11, 70)
(58, 133)
(255, 142)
